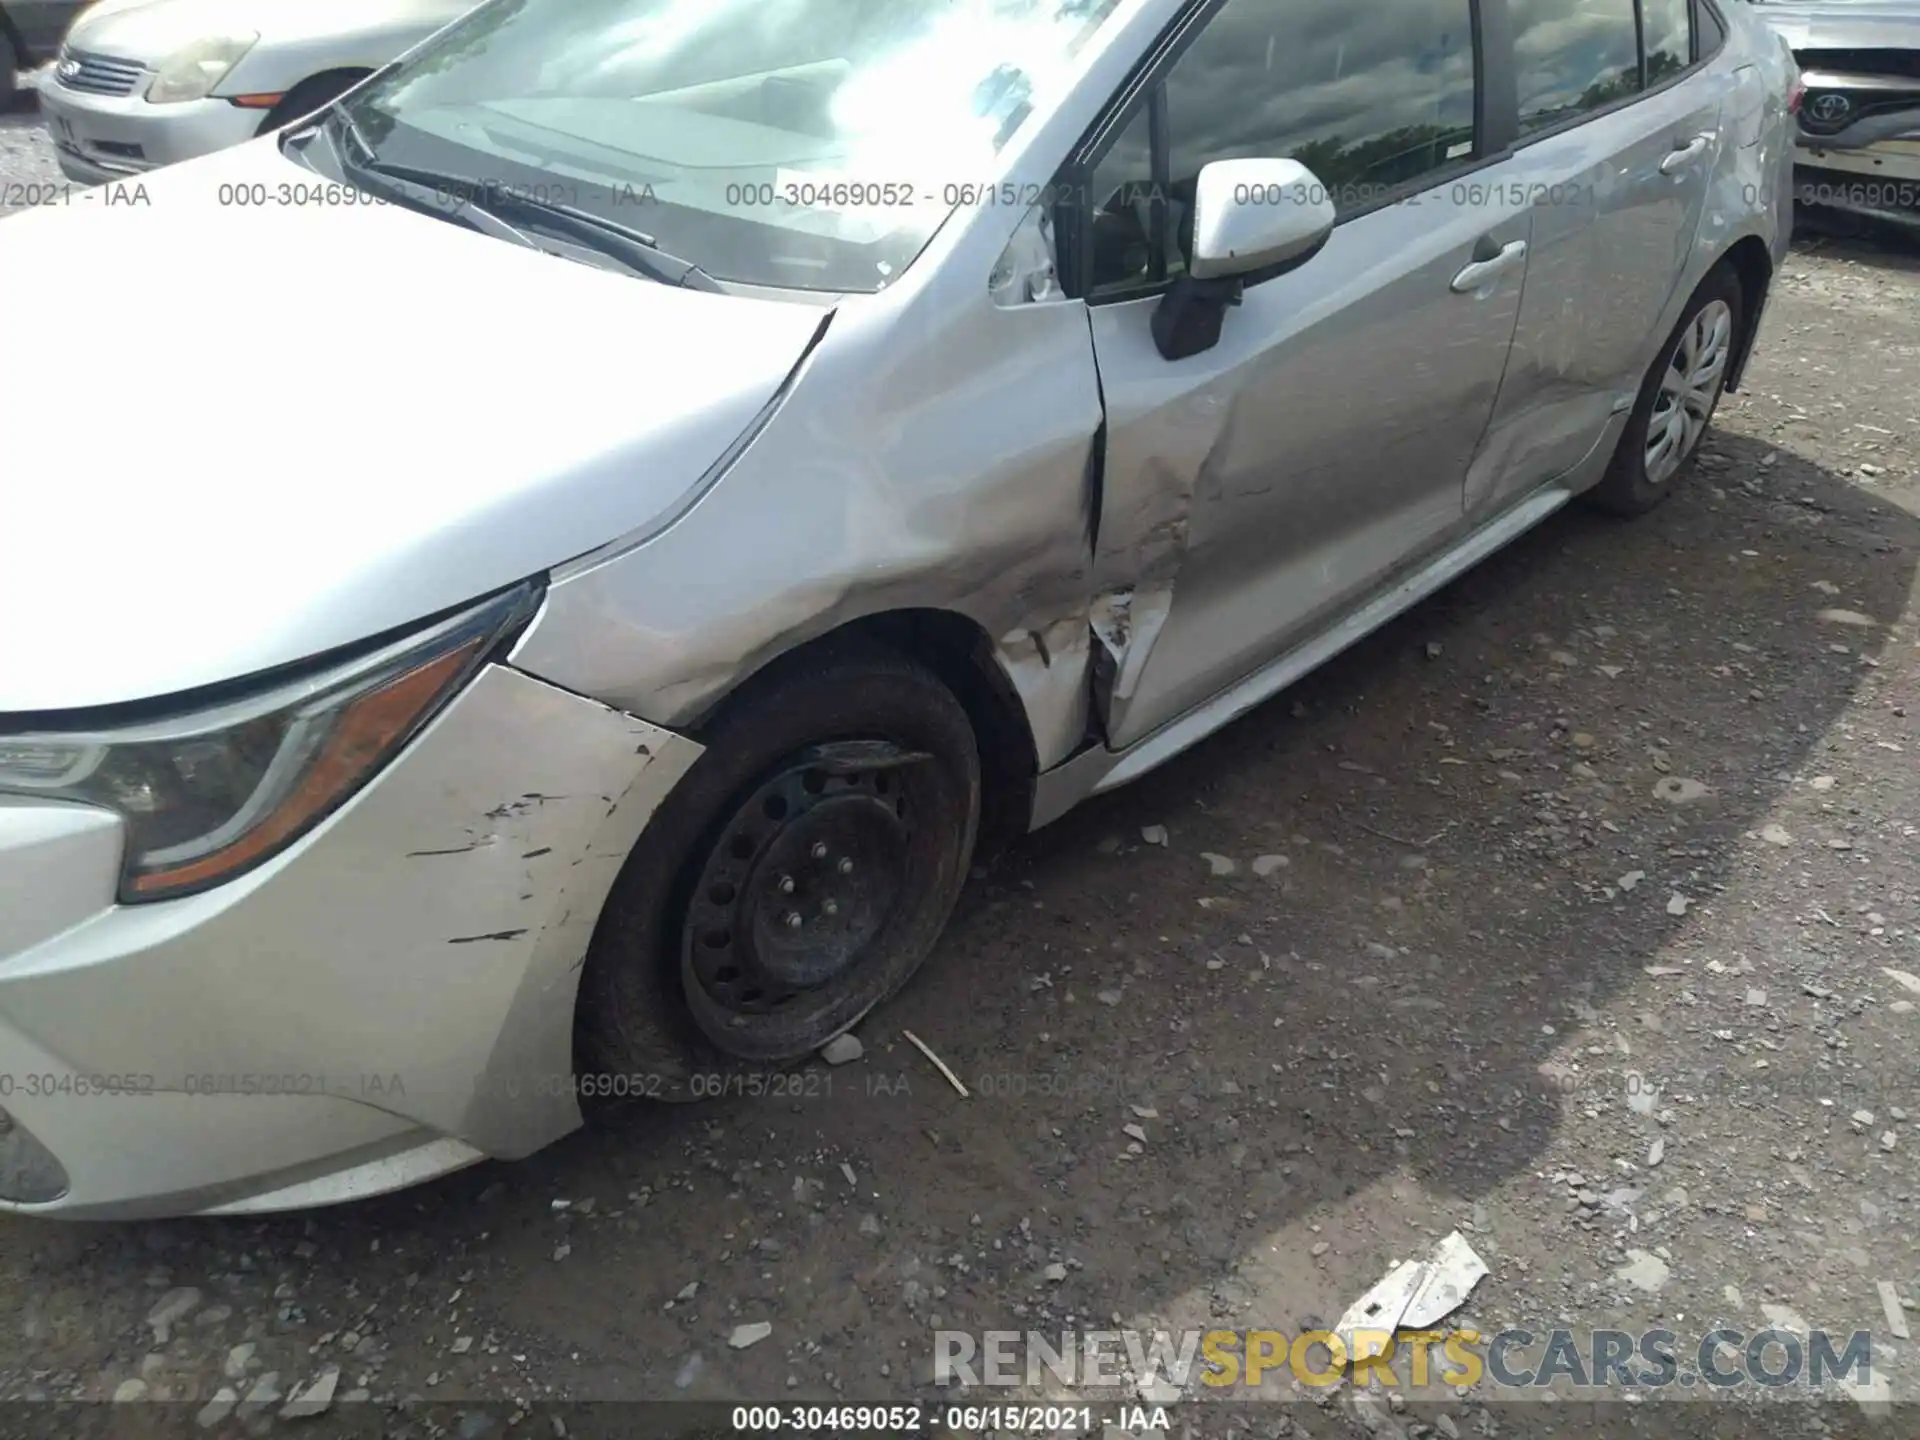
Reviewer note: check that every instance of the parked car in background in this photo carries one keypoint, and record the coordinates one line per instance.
(728, 457)
(142, 83)
(1859, 128)
(30, 32)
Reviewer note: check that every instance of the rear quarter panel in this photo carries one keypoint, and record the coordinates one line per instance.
(1750, 189)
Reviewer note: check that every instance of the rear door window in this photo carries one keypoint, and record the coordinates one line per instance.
(1572, 57)
(1667, 28)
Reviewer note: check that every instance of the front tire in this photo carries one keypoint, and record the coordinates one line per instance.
(1676, 401)
(795, 878)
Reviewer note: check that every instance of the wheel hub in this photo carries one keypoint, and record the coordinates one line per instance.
(801, 882)
(823, 889)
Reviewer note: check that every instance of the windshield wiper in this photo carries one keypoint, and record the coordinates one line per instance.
(450, 197)
(632, 249)
(427, 199)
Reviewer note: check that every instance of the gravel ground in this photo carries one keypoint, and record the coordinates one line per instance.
(26, 155)
(1576, 911)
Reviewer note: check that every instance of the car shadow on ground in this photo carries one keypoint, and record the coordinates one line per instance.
(1453, 803)
(1457, 821)
(1863, 239)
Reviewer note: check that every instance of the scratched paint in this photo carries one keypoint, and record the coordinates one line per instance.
(433, 926)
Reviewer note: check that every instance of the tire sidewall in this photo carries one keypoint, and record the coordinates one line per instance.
(1627, 488)
(633, 1020)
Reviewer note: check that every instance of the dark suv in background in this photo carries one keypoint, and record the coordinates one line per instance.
(30, 32)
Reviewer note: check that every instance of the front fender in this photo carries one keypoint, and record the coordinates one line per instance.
(354, 35)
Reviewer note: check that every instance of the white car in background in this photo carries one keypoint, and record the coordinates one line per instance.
(142, 83)
(1859, 124)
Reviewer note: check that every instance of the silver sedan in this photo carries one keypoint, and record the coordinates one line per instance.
(145, 83)
(717, 466)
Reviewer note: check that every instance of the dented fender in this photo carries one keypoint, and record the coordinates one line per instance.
(933, 453)
(417, 955)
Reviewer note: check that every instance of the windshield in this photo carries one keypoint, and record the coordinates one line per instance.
(807, 144)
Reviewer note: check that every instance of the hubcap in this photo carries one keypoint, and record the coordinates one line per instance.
(1689, 390)
(803, 879)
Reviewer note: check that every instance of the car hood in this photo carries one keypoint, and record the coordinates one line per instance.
(1847, 24)
(271, 431)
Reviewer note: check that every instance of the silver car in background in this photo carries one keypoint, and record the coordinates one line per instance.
(729, 461)
(144, 83)
(1859, 117)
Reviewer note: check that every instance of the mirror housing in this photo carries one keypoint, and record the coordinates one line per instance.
(1257, 218)
(1253, 219)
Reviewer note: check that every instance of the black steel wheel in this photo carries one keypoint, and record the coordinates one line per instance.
(798, 907)
(795, 878)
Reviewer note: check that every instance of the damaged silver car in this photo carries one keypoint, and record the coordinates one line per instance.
(1859, 111)
(715, 464)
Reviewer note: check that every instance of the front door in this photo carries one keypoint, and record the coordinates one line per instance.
(1253, 490)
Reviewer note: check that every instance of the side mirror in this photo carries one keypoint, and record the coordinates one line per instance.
(1252, 220)
(1253, 216)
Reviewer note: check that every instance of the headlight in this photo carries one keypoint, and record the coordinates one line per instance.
(191, 72)
(208, 796)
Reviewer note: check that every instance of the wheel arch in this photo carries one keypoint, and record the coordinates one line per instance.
(626, 1012)
(324, 83)
(961, 653)
(1752, 264)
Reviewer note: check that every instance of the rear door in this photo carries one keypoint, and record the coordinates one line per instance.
(1255, 489)
(1617, 139)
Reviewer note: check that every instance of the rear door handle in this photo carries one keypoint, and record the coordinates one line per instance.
(1685, 154)
(1482, 272)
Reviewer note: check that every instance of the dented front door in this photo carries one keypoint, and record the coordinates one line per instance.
(1253, 491)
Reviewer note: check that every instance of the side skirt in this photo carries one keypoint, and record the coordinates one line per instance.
(1096, 770)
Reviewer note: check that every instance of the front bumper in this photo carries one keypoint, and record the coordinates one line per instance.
(98, 138)
(390, 999)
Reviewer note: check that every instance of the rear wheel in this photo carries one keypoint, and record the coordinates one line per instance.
(796, 877)
(1676, 401)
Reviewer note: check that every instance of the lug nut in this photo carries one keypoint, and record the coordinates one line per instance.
(786, 885)
(845, 867)
(829, 907)
(793, 920)
(819, 851)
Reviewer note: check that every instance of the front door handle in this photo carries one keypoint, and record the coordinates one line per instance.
(1685, 154)
(1483, 272)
